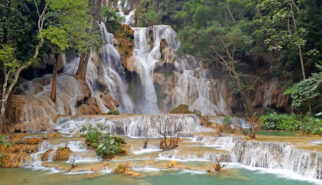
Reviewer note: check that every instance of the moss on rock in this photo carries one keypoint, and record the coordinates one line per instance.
(124, 39)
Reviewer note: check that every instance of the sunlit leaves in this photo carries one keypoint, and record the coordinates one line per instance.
(8, 58)
(56, 36)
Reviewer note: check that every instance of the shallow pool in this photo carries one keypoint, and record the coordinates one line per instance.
(231, 177)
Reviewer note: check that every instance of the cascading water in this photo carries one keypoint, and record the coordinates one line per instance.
(112, 70)
(268, 93)
(146, 59)
(128, 19)
(269, 155)
(134, 126)
(196, 89)
(39, 112)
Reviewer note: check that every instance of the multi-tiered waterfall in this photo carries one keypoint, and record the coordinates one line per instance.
(164, 81)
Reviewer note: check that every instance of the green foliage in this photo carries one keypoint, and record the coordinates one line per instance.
(227, 121)
(71, 29)
(151, 12)
(274, 21)
(57, 36)
(104, 144)
(8, 57)
(110, 15)
(292, 122)
(306, 91)
(114, 112)
(18, 27)
(149, 18)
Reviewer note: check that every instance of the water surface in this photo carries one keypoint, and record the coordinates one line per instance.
(231, 177)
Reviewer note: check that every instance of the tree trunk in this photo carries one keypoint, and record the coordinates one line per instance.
(4, 98)
(3, 116)
(248, 108)
(302, 62)
(82, 67)
(54, 81)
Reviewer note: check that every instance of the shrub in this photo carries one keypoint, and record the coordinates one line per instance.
(291, 122)
(181, 109)
(113, 112)
(227, 121)
(105, 145)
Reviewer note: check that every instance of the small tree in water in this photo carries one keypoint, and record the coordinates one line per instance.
(168, 143)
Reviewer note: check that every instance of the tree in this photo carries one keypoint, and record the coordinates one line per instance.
(12, 67)
(214, 33)
(61, 22)
(94, 42)
(278, 25)
(69, 32)
(163, 129)
(307, 92)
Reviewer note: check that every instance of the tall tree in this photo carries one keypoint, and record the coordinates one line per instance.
(61, 22)
(212, 31)
(96, 17)
(278, 24)
(11, 67)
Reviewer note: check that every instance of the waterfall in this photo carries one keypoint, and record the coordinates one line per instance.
(112, 70)
(196, 88)
(80, 154)
(127, 19)
(268, 93)
(146, 59)
(134, 126)
(39, 110)
(279, 156)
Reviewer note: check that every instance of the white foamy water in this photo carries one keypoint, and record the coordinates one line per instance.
(145, 151)
(112, 74)
(134, 126)
(146, 57)
(274, 156)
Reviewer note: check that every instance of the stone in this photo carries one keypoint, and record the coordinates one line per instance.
(44, 156)
(172, 164)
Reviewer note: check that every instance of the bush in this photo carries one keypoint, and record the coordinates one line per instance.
(227, 121)
(113, 112)
(105, 145)
(181, 109)
(292, 122)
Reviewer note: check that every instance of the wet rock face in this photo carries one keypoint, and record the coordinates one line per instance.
(124, 42)
(34, 111)
(15, 154)
(270, 95)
